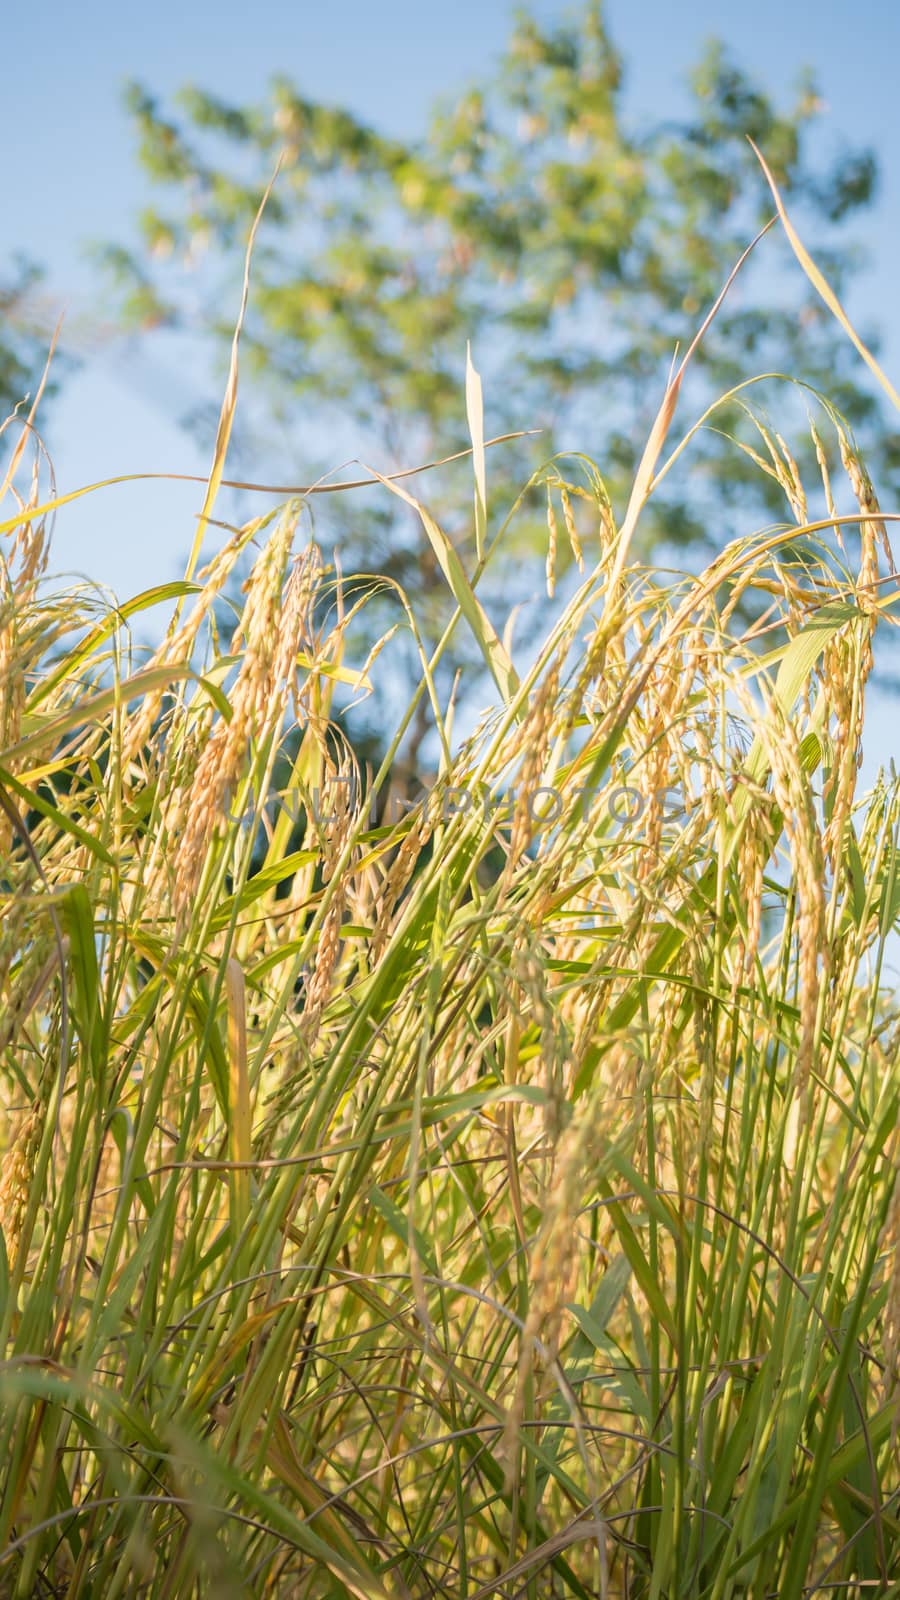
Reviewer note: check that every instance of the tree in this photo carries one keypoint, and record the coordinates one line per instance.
(573, 252)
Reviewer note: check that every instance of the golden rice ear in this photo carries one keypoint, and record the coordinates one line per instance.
(273, 626)
(571, 528)
(822, 459)
(16, 1174)
(795, 491)
(535, 738)
(328, 946)
(552, 546)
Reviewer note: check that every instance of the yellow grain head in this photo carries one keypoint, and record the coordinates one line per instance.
(16, 1176)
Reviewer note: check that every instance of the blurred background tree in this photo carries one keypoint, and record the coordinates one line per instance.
(575, 252)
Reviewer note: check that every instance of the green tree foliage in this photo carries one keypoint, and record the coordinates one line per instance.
(574, 252)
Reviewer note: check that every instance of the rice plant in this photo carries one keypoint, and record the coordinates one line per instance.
(490, 1196)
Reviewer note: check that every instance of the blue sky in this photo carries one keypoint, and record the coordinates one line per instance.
(71, 176)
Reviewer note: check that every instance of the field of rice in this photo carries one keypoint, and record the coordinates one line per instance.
(491, 1194)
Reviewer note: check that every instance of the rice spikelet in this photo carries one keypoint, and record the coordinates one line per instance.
(16, 1175)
